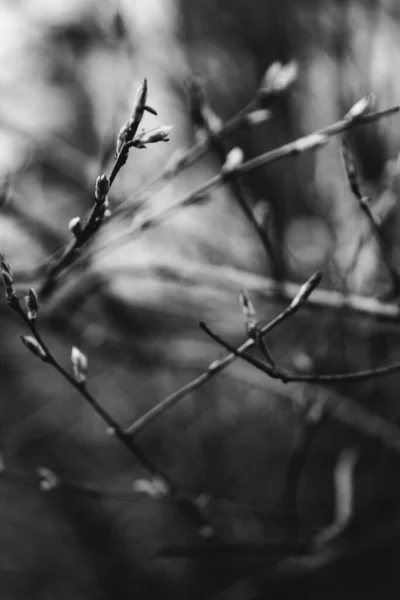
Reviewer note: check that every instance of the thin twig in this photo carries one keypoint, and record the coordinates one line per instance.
(103, 185)
(312, 415)
(189, 508)
(201, 112)
(218, 365)
(344, 498)
(185, 158)
(287, 376)
(307, 143)
(365, 205)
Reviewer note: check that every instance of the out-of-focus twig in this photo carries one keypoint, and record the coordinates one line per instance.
(201, 116)
(365, 205)
(344, 498)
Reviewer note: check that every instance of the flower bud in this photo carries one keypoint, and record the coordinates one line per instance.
(306, 289)
(75, 226)
(32, 304)
(159, 134)
(8, 281)
(360, 107)
(233, 161)
(102, 188)
(256, 117)
(79, 365)
(249, 314)
(351, 170)
(155, 488)
(277, 78)
(34, 346)
(48, 479)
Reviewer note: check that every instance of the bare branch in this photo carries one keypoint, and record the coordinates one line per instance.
(286, 376)
(214, 368)
(35, 343)
(365, 205)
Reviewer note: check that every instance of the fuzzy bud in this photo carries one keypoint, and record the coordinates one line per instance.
(155, 488)
(48, 479)
(360, 107)
(75, 227)
(159, 134)
(32, 304)
(249, 314)
(351, 170)
(257, 117)
(233, 161)
(306, 289)
(79, 365)
(34, 346)
(277, 78)
(102, 188)
(8, 281)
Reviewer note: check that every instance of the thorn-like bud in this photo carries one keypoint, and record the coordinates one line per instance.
(233, 161)
(102, 188)
(277, 78)
(351, 170)
(159, 134)
(48, 479)
(8, 281)
(150, 110)
(34, 346)
(155, 488)
(32, 304)
(79, 365)
(249, 314)
(75, 227)
(360, 107)
(306, 289)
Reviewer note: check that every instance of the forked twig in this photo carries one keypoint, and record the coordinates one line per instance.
(189, 508)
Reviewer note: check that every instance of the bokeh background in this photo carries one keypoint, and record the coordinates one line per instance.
(68, 75)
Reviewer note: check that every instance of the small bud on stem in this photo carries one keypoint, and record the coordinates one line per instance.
(306, 290)
(32, 304)
(33, 346)
(79, 365)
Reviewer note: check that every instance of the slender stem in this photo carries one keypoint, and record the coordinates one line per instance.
(286, 376)
(214, 368)
(189, 509)
(307, 143)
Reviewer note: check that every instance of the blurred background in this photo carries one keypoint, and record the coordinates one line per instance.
(68, 75)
